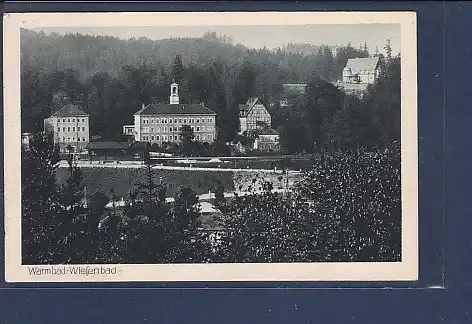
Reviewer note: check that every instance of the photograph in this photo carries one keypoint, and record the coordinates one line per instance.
(211, 147)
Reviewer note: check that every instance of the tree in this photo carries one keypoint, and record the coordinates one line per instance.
(178, 69)
(388, 50)
(188, 137)
(219, 195)
(39, 201)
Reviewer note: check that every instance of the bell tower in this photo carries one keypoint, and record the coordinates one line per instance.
(174, 93)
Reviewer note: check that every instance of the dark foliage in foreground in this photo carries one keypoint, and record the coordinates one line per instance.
(347, 208)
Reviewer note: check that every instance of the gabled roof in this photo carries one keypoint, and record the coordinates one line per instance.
(69, 110)
(244, 109)
(179, 109)
(358, 65)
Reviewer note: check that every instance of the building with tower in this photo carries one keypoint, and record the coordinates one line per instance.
(162, 122)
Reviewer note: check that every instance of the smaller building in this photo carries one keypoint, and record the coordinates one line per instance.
(361, 70)
(69, 127)
(116, 151)
(252, 114)
(267, 140)
(25, 140)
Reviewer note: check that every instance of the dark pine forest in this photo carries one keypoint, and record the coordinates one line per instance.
(111, 78)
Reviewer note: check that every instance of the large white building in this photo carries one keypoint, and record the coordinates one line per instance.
(160, 122)
(69, 127)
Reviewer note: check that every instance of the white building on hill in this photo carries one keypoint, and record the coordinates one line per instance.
(361, 70)
(358, 74)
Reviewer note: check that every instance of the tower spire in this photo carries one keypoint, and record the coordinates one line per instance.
(174, 93)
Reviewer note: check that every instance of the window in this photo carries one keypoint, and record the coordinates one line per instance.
(157, 120)
(78, 139)
(68, 139)
(146, 130)
(193, 128)
(165, 137)
(180, 136)
(64, 139)
(185, 120)
(203, 128)
(73, 120)
(83, 139)
(68, 120)
(157, 137)
(58, 129)
(171, 129)
(209, 120)
(83, 120)
(165, 120)
(198, 121)
(64, 120)
(152, 120)
(210, 137)
(63, 129)
(198, 137)
(59, 120)
(73, 139)
(68, 129)
(152, 137)
(152, 129)
(175, 120)
(180, 120)
(198, 128)
(165, 129)
(83, 129)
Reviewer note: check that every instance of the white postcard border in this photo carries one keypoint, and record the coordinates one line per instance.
(406, 270)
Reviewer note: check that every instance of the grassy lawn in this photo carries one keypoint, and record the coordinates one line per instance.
(122, 180)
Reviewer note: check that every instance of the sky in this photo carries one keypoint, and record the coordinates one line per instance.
(375, 35)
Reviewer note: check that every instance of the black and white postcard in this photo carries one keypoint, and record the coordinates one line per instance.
(216, 146)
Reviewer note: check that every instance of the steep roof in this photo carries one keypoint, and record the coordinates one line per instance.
(366, 64)
(180, 109)
(244, 109)
(69, 110)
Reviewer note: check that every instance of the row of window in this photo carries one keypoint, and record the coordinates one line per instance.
(171, 138)
(176, 129)
(69, 129)
(70, 120)
(177, 120)
(72, 139)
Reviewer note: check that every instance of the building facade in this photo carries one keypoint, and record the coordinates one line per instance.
(252, 115)
(361, 70)
(69, 127)
(256, 121)
(162, 123)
